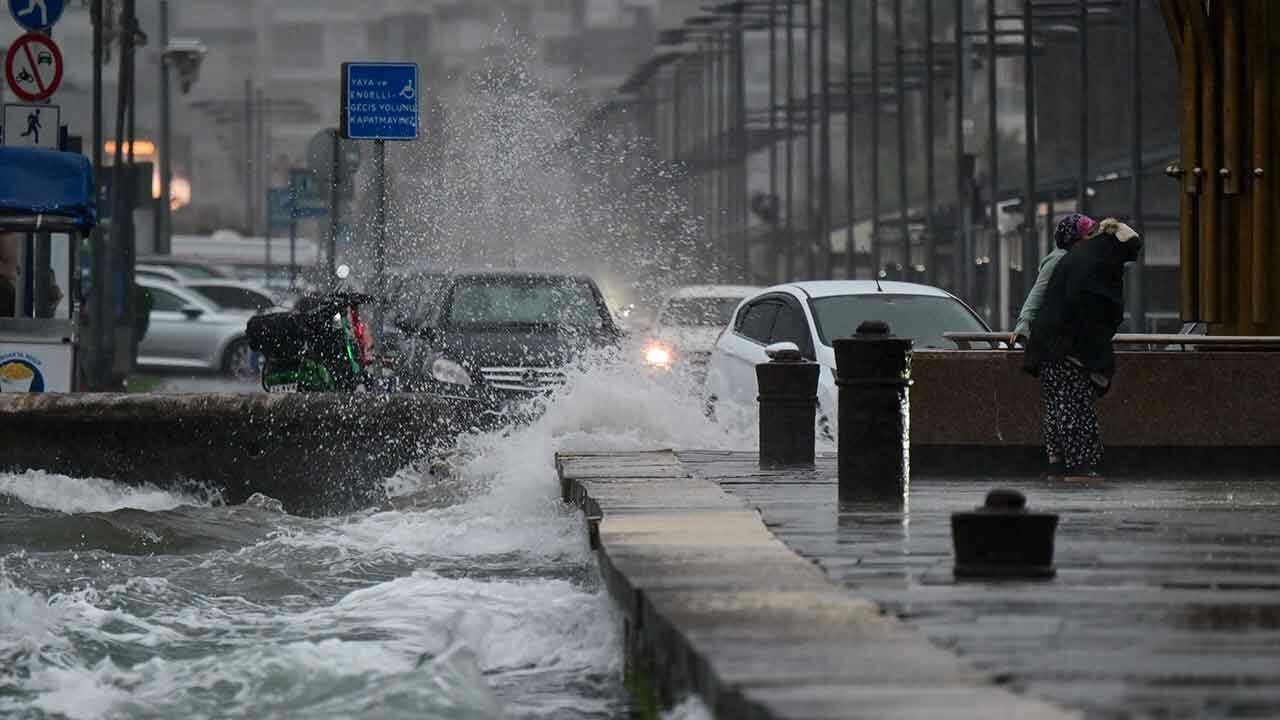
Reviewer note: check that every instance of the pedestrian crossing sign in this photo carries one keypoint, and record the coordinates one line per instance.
(32, 126)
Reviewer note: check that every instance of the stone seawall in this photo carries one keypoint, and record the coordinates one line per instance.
(317, 453)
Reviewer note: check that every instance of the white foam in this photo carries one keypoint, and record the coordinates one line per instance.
(50, 491)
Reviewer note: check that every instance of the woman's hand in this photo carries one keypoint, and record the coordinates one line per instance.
(1014, 338)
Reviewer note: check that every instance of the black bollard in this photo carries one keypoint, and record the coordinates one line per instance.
(788, 386)
(873, 374)
(1002, 539)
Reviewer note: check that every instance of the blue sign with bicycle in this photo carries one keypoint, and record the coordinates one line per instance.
(379, 101)
(36, 14)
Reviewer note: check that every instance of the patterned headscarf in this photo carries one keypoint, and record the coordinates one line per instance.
(1072, 228)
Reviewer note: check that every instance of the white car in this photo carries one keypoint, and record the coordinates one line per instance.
(689, 321)
(238, 296)
(811, 315)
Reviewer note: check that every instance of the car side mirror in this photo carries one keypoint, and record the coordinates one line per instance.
(192, 311)
(784, 352)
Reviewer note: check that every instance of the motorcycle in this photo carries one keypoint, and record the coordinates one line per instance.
(322, 345)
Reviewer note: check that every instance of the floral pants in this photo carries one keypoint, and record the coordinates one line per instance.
(1070, 422)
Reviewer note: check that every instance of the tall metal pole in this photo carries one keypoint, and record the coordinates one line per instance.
(263, 166)
(1030, 201)
(930, 196)
(824, 142)
(876, 261)
(335, 212)
(380, 249)
(850, 260)
(98, 137)
(740, 145)
(996, 312)
(791, 120)
(248, 155)
(810, 147)
(964, 239)
(900, 102)
(1137, 303)
(1082, 192)
(162, 242)
(94, 362)
(775, 242)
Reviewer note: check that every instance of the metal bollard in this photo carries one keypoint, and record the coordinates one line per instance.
(873, 374)
(1002, 539)
(788, 398)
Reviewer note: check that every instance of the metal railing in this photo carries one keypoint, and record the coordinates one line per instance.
(967, 340)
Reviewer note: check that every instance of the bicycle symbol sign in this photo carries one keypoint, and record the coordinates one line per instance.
(33, 67)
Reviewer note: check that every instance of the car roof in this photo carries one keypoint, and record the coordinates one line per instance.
(179, 289)
(714, 291)
(831, 288)
(223, 282)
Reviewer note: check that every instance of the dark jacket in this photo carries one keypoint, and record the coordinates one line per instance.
(1084, 303)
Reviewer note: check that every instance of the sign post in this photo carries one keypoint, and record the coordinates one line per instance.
(379, 103)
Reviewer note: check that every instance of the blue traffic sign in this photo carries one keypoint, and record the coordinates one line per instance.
(36, 14)
(379, 101)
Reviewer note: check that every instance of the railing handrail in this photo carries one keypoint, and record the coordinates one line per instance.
(965, 340)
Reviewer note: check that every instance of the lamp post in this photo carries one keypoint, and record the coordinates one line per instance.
(184, 55)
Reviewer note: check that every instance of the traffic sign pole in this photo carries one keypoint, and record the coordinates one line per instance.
(333, 205)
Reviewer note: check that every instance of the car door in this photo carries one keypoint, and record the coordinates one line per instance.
(183, 339)
(744, 347)
(165, 332)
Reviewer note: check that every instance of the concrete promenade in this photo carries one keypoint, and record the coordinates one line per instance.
(715, 604)
(756, 590)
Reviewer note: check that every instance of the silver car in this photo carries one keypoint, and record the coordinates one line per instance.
(238, 296)
(189, 331)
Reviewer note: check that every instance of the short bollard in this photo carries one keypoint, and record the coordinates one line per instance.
(873, 374)
(788, 398)
(1002, 539)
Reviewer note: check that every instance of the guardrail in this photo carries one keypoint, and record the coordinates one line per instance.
(966, 341)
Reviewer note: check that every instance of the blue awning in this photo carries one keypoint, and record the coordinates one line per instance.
(47, 182)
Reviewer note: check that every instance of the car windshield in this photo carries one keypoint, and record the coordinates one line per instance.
(496, 301)
(922, 318)
(709, 311)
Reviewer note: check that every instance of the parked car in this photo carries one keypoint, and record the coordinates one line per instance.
(501, 336)
(187, 330)
(158, 272)
(185, 268)
(689, 321)
(240, 296)
(811, 315)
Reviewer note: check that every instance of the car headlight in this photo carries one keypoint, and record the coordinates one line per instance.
(657, 355)
(448, 371)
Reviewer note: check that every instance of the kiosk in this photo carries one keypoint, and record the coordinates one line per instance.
(46, 211)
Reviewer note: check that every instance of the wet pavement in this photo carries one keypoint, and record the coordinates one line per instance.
(1166, 601)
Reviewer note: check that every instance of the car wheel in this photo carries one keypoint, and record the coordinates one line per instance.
(709, 407)
(237, 361)
(824, 428)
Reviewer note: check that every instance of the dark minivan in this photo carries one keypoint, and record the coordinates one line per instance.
(500, 335)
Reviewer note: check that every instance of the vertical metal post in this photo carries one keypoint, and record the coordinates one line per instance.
(262, 168)
(1134, 291)
(712, 156)
(851, 263)
(1082, 193)
(930, 195)
(380, 248)
(99, 138)
(961, 246)
(900, 102)
(824, 142)
(995, 261)
(775, 253)
(162, 244)
(93, 361)
(791, 77)
(876, 261)
(810, 147)
(740, 146)
(335, 179)
(1030, 228)
(248, 155)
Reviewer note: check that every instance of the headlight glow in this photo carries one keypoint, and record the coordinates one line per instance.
(448, 371)
(656, 355)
